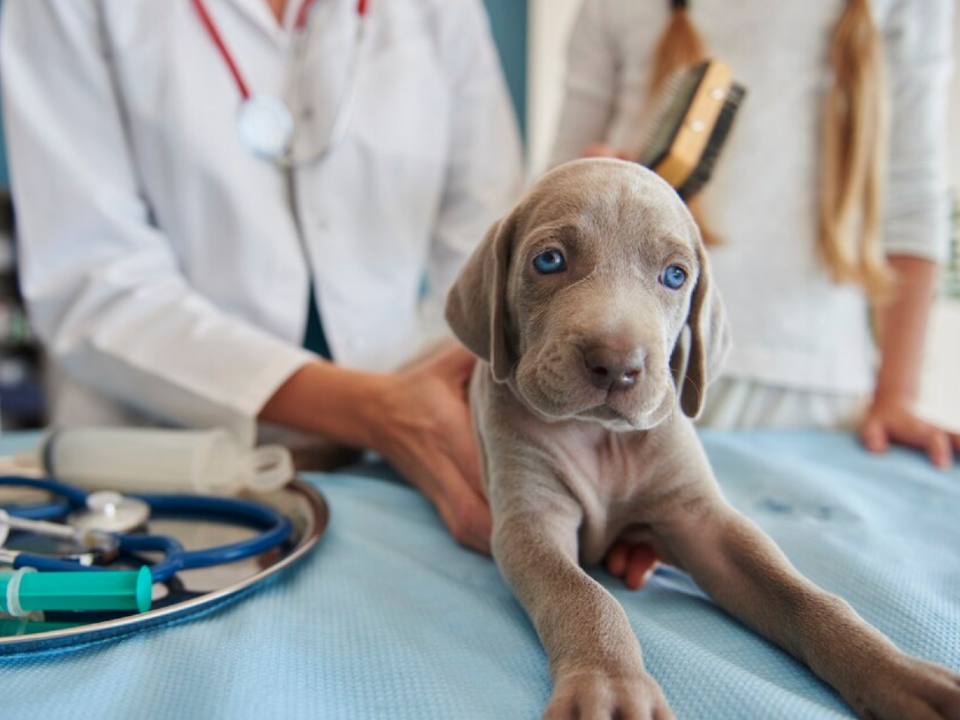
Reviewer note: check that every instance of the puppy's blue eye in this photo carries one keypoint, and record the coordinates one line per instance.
(549, 262)
(673, 277)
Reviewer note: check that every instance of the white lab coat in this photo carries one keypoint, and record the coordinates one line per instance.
(162, 263)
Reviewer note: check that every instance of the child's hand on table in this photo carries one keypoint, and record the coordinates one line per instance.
(901, 326)
(891, 420)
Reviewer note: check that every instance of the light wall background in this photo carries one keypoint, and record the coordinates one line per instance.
(954, 128)
(4, 172)
(549, 26)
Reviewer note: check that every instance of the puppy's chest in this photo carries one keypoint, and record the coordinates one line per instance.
(611, 476)
(603, 467)
(618, 479)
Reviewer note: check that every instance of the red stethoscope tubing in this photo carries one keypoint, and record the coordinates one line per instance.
(301, 22)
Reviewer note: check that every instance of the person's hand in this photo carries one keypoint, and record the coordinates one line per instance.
(890, 420)
(633, 562)
(602, 150)
(423, 428)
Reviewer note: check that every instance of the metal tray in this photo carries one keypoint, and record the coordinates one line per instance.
(195, 592)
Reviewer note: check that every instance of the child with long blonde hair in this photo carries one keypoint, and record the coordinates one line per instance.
(828, 205)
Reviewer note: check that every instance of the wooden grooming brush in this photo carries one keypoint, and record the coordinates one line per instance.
(689, 125)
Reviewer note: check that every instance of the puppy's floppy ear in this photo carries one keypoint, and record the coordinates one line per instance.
(476, 306)
(703, 344)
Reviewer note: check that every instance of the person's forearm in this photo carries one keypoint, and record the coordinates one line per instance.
(902, 327)
(326, 399)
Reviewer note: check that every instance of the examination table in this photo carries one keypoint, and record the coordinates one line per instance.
(389, 618)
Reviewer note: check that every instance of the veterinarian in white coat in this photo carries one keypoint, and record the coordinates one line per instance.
(169, 270)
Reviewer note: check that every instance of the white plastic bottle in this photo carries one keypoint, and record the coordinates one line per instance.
(130, 460)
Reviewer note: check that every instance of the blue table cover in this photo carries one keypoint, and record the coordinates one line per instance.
(389, 618)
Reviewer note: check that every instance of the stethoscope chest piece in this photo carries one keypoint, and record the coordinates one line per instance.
(266, 127)
(110, 512)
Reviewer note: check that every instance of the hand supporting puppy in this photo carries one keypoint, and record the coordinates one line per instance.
(633, 562)
(417, 419)
(425, 432)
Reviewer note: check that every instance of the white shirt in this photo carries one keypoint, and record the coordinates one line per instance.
(161, 262)
(792, 326)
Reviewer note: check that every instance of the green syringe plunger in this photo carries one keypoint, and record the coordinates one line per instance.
(25, 591)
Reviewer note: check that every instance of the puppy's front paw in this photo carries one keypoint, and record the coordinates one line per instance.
(908, 689)
(597, 696)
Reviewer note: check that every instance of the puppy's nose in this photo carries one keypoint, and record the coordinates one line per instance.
(612, 369)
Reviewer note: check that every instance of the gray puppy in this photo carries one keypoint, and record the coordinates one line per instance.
(592, 311)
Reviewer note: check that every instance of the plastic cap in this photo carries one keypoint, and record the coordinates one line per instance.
(22, 593)
(272, 468)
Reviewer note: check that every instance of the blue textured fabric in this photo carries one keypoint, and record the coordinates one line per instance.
(388, 618)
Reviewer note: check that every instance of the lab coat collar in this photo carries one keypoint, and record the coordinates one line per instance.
(258, 13)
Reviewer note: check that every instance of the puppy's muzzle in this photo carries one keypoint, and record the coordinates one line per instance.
(613, 369)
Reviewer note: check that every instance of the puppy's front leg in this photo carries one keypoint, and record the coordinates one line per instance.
(594, 656)
(746, 574)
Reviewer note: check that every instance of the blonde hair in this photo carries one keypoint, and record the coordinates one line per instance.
(853, 150)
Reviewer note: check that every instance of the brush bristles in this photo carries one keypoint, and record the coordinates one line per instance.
(708, 160)
(661, 110)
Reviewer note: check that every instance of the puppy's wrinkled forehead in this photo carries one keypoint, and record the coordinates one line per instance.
(606, 198)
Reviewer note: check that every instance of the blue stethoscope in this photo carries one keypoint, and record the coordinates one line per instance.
(101, 522)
